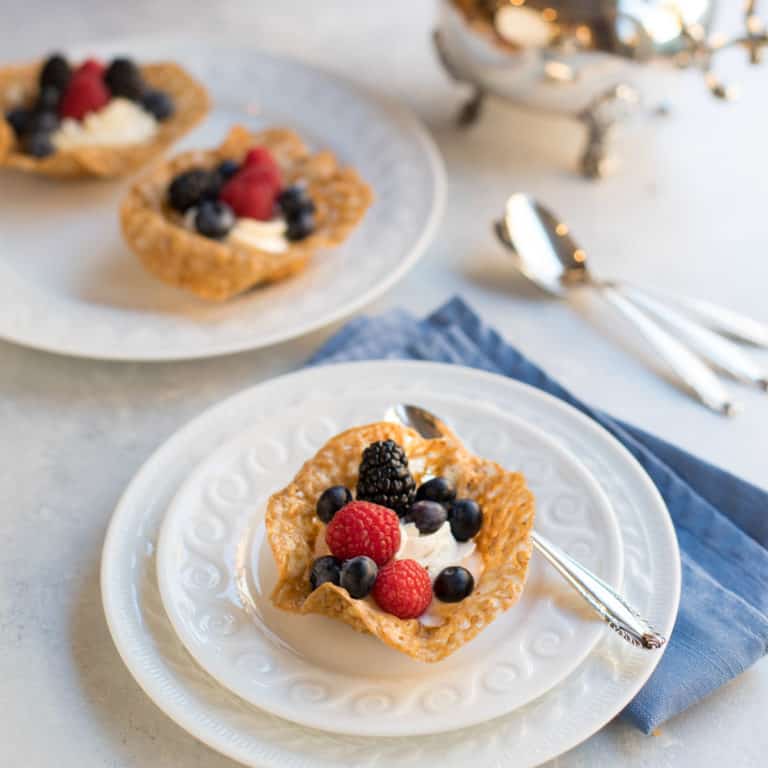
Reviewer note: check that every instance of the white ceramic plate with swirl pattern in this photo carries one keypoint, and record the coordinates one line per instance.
(595, 692)
(216, 573)
(69, 284)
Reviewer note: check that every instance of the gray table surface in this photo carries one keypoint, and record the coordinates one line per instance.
(685, 213)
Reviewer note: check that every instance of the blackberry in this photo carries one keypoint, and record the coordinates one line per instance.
(384, 477)
(123, 78)
(55, 72)
(190, 187)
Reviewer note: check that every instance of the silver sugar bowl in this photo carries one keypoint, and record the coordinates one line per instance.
(576, 57)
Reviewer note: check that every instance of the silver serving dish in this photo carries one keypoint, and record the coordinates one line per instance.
(576, 57)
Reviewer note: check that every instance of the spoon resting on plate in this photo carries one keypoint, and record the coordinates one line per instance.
(601, 597)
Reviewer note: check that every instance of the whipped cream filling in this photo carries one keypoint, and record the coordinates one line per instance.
(121, 122)
(436, 551)
(265, 235)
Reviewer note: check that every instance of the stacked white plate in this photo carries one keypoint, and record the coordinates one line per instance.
(186, 575)
(72, 286)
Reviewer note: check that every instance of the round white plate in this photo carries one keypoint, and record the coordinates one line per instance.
(558, 720)
(216, 573)
(69, 284)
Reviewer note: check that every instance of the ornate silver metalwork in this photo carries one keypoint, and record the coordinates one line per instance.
(571, 57)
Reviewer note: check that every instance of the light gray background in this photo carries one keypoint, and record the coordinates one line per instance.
(687, 212)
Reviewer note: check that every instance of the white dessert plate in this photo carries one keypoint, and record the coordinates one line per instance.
(595, 692)
(216, 573)
(69, 284)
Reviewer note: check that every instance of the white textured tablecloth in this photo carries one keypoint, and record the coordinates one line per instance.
(687, 212)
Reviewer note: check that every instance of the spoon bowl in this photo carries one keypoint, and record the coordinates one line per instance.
(542, 246)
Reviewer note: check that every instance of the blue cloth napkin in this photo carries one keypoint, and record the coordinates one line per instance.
(721, 521)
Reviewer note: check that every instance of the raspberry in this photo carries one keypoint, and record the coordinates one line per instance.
(251, 194)
(362, 528)
(261, 158)
(403, 588)
(92, 67)
(85, 93)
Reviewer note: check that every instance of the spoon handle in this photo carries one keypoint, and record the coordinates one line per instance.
(607, 603)
(715, 349)
(688, 366)
(724, 321)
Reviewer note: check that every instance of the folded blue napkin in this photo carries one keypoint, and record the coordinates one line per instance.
(721, 521)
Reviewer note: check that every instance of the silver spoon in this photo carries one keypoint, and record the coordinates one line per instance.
(609, 605)
(544, 251)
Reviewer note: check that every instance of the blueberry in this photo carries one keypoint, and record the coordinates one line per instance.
(159, 104)
(300, 225)
(38, 144)
(331, 501)
(123, 78)
(436, 489)
(226, 169)
(325, 569)
(44, 121)
(466, 519)
(19, 119)
(428, 516)
(294, 199)
(190, 187)
(48, 99)
(453, 584)
(55, 72)
(358, 576)
(214, 219)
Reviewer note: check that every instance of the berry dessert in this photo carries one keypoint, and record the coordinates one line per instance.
(415, 541)
(254, 210)
(93, 118)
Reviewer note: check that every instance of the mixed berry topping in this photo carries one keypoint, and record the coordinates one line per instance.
(331, 501)
(325, 569)
(365, 535)
(251, 189)
(403, 589)
(437, 489)
(362, 528)
(65, 92)
(358, 576)
(427, 516)
(453, 584)
(466, 519)
(384, 477)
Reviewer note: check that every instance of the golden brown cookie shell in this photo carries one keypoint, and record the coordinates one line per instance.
(220, 270)
(190, 101)
(504, 541)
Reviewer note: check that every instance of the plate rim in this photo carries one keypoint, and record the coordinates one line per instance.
(404, 115)
(166, 543)
(241, 753)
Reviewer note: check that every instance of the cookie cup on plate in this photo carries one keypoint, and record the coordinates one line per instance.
(219, 270)
(504, 541)
(190, 99)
